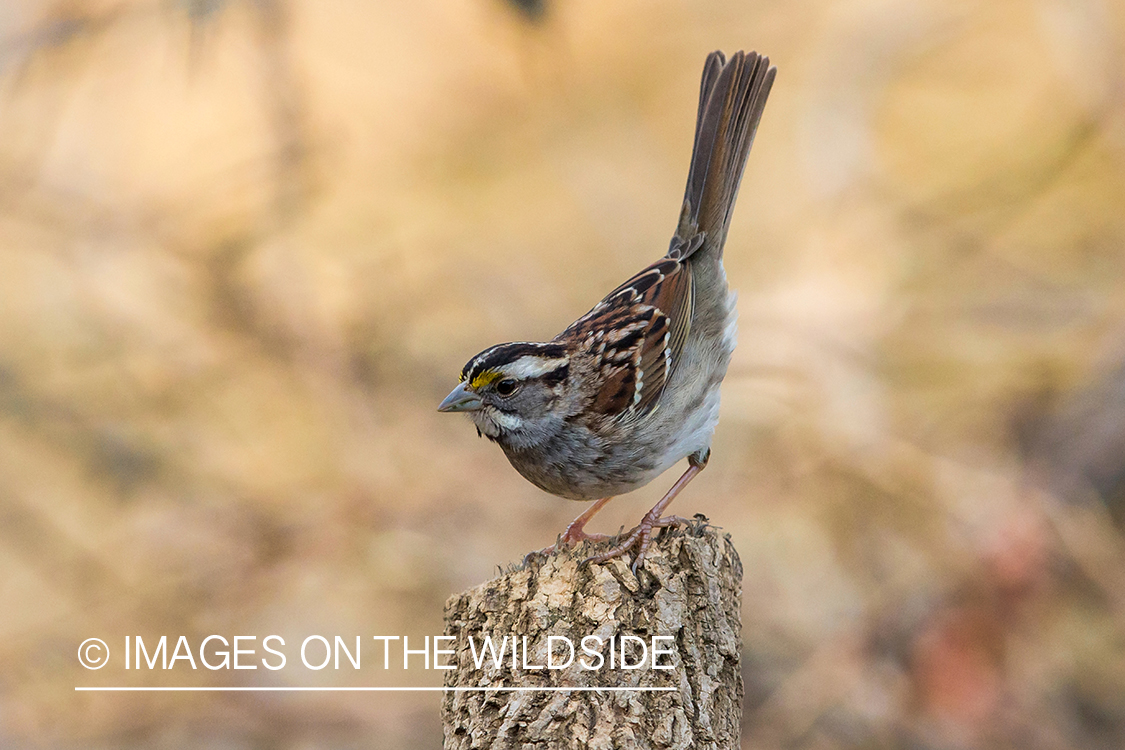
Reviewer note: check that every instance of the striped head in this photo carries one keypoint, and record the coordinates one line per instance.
(510, 391)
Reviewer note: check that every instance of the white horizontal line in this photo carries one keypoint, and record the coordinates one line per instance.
(369, 689)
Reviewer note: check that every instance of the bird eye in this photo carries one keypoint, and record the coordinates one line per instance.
(507, 387)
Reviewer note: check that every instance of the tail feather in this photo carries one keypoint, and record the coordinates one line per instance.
(732, 97)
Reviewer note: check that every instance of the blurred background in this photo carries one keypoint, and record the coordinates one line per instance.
(247, 245)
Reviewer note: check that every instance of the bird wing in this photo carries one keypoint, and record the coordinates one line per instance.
(637, 334)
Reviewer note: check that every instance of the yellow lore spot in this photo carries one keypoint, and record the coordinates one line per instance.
(485, 378)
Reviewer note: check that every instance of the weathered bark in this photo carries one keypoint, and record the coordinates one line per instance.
(690, 588)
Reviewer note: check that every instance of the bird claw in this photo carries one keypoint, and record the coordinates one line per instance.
(573, 536)
(639, 537)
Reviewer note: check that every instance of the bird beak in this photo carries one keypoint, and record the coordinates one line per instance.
(461, 399)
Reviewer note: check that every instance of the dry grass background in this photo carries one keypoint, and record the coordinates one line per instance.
(245, 248)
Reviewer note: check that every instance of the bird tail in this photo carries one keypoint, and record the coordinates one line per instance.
(732, 97)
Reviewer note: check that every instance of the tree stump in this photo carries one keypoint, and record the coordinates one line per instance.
(688, 592)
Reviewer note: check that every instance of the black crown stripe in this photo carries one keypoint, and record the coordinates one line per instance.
(503, 354)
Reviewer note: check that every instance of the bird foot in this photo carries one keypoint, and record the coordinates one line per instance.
(640, 537)
(573, 535)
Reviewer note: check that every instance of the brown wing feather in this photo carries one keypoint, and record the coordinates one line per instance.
(638, 333)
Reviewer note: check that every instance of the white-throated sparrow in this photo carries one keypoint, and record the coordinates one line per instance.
(632, 386)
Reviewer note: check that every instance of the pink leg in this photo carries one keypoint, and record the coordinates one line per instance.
(574, 532)
(641, 536)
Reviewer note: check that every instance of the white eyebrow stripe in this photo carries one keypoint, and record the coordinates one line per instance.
(530, 366)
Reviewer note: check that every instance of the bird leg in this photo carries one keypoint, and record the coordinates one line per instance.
(575, 532)
(641, 535)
